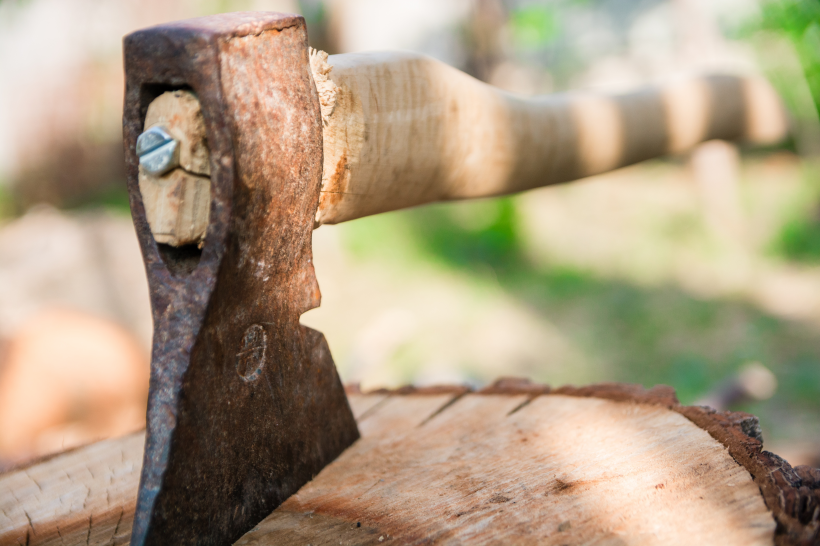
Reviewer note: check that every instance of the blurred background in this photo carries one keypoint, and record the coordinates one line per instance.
(701, 271)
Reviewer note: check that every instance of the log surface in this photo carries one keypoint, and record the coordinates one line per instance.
(85, 496)
(507, 469)
(515, 463)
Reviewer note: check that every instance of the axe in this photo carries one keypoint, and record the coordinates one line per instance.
(239, 141)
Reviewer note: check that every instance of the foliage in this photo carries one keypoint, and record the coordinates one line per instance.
(798, 239)
(799, 20)
(640, 334)
(534, 26)
(792, 17)
(114, 198)
(7, 202)
(471, 233)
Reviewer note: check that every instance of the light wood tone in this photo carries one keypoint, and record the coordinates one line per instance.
(401, 130)
(325, 87)
(179, 112)
(477, 469)
(404, 129)
(361, 404)
(178, 204)
(398, 414)
(558, 470)
(766, 121)
(85, 496)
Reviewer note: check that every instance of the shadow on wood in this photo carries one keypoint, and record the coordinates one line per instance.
(515, 463)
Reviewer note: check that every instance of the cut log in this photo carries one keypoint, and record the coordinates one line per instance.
(89, 492)
(84, 496)
(513, 464)
(505, 469)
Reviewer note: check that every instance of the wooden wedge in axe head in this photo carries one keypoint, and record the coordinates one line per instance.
(239, 141)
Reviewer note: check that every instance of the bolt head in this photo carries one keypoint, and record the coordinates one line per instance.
(158, 151)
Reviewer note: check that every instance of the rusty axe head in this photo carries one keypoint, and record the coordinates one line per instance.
(245, 403)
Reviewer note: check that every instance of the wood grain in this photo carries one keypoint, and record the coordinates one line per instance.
(178, 203)
(361, 404)
(609, 464)
(401, 129)
(85, 496)
(493, 469)
(398, 414)
(88, 495)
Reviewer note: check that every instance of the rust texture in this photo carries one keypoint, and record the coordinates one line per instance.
(245, 404)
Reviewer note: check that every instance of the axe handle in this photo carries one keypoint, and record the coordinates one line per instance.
(402, 129)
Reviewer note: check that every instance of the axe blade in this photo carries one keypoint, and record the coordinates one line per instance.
(245, 404)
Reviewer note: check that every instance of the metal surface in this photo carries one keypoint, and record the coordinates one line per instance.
(158, 151)
(245, 403)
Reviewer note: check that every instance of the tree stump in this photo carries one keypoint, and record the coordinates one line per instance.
(515, 463)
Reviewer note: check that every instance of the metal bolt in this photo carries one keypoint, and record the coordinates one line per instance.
(158, 151)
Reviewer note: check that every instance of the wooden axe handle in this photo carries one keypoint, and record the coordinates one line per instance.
(403, 129)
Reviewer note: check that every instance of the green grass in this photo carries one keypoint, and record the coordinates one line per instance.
(114, 198)
(798, 239)
(8, 205)
(627, 332)
(468, 234)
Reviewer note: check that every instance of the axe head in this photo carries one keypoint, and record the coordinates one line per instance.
(245, 404)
